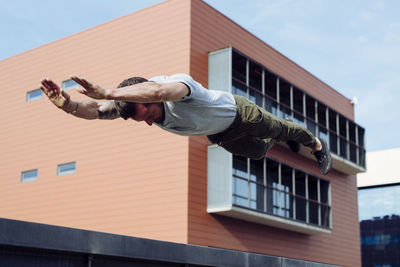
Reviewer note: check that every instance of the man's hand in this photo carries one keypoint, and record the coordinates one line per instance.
(57, 96)
(90, 89)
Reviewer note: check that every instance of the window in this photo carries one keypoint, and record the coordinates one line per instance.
(255, 76)
(68, 85)
(279, 97)
(33, 95)
(270, 84)
(284, 191)
(66, 168)
(239, 63)
(27, 176)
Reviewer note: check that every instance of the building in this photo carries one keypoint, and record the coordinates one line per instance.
(127, 178)
(379, 209)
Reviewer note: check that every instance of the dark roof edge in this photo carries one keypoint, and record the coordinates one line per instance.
(23, 234)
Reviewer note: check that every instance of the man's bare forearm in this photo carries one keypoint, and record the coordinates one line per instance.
(86, 109)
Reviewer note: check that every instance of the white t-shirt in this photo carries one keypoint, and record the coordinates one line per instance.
(202, 112)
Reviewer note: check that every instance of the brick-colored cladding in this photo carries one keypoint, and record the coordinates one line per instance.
(137, 180)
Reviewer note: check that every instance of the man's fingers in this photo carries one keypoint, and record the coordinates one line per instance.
(44, 90)
(82, 91)
(65, 95)
(82, 81)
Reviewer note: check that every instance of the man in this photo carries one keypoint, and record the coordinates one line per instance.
(183, 106)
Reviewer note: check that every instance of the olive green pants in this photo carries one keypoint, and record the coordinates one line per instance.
(255, 130)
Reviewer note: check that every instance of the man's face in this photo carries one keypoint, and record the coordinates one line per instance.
(151, 112)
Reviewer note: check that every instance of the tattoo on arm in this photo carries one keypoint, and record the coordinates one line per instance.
(108, 111)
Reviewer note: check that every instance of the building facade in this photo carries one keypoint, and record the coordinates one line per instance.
(127, 178)
(379, 209)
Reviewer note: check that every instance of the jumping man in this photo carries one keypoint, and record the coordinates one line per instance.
(183, 106)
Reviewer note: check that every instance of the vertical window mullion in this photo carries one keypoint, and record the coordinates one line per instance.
(280, 204)
(316, 117)
(294, 193)
(347, 139)
(248, 183)
(263, 87)
(319, 202)
(338, 133)
(291, 101)
(278, 98)
(265, 183)
(307, 201)
(248, 78)
(357, 146)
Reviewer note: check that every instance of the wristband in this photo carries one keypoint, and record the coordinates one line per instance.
(75, 109)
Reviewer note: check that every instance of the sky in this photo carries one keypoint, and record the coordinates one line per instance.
(353, 46)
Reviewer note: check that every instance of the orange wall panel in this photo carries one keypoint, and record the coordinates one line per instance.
(130, 178)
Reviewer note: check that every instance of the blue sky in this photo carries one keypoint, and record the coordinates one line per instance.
(353, 46)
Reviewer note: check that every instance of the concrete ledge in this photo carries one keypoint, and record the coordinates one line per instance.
(48, 245)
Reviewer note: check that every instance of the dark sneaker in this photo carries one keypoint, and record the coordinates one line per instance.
(324, 158)
(293, 146)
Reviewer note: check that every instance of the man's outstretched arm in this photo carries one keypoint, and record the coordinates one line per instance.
(146, 92)
(86, 109)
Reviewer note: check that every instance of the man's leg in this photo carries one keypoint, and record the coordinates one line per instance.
(248, 146)
(257, 122)
(262, 124)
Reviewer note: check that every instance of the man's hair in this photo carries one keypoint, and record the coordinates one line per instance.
(128, 109)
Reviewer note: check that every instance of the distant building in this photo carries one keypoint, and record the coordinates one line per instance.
(127, 178)
(379, 209)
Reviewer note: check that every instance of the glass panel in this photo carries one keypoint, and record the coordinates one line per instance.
(256, 97)
(284, 92)
(272, 183)
(325, 216)
(312, 188)
(313, 212)
(239, 88)
(286, 178)
(297, 118)
(352, 132)
(257, 196)
(239, 67)
(67, 168)
(300, 178)
(324, 191)
(297, 100)
(343, 148)
(286, 205)
(257, 171)
(361, 156)
(27, 176)
(342, 126)
(333, 141)
(33, 95)
(323, 134)
(353, 153)
(332, 120)
(271, 106)
(310, 107)
(312, 127)
(360, 136)
(240, 167)
(301, 209)
(300, 183)
(284, 112)
(270, 84)
(322, 115)
(240, 192)
(255, 76)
